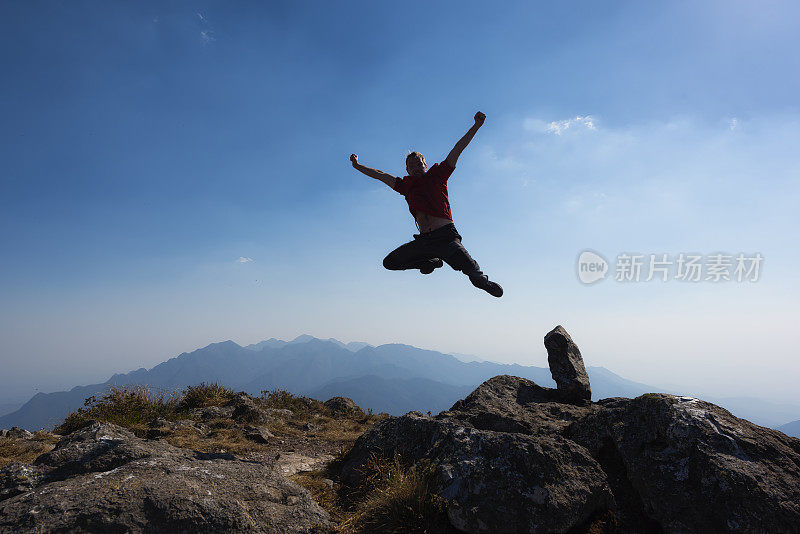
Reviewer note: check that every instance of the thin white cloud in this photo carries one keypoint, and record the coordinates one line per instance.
(207, 36)
(558, 127)
(654, 170)
(242, 259)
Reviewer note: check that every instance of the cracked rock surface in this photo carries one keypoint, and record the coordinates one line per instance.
(105, 479)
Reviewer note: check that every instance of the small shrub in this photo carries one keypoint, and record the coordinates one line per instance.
(125, 406)
(204, 394)
(74, 421)
(279, 398)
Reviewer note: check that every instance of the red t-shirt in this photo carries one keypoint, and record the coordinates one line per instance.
(427, 192)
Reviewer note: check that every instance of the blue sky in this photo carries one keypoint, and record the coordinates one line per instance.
(147, 146)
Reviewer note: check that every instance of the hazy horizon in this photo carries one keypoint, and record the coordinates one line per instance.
(177, 175)
(721, 392)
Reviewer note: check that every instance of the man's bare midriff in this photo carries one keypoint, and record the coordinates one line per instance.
(429, 223)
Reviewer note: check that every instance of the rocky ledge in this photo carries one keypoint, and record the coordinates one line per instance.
(516, 457)
(105, 479)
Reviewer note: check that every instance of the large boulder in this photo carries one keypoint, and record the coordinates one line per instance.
(104, 479)
(512, 404)
(99, 447)
(18, 433)
(246, 411)
(343, 406)
(495, 482)
(566, 366)
(259, 434)
(692, 466)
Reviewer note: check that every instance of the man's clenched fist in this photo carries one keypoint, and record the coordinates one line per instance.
(479, 118)
(354, 159)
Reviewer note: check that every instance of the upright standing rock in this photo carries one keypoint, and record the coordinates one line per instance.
(566, 366)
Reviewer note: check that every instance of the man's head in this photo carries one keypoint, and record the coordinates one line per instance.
(415, 164)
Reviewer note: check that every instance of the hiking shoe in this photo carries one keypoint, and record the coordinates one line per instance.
(435, 263)
(483, 282)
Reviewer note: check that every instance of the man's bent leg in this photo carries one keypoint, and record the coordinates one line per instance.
(412, 255)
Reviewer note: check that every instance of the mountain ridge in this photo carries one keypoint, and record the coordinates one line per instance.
(312, 366)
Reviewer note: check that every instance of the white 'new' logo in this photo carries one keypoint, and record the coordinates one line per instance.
(591, 267)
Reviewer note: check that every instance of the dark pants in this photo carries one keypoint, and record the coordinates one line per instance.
(443, 243)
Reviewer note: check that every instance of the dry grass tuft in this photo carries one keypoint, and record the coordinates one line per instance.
(344, 430)
(280, 427)
(325, 495)
(394, 498)
(222, 439)
(401, 499)
(25, 450)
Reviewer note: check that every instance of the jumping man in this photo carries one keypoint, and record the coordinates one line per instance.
(426, 193)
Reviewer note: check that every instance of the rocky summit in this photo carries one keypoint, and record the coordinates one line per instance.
(511, 457)
(516, 457)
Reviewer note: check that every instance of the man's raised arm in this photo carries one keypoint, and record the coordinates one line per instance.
(452, 157)
(386, 178)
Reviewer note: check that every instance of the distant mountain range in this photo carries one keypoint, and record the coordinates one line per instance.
(8, 407)
(390, 378)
